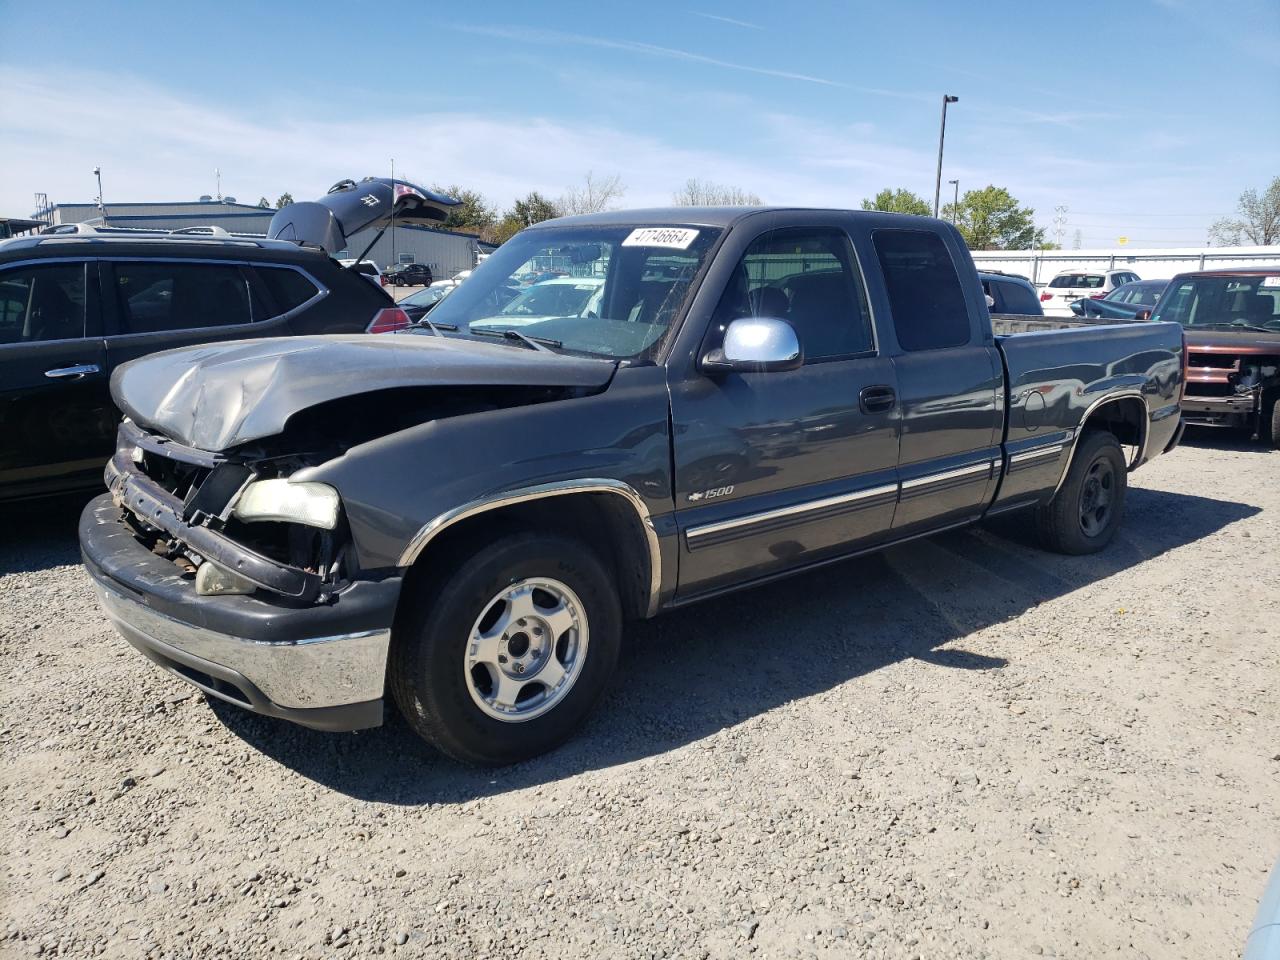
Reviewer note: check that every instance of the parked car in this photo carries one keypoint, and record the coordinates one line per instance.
(418, 304)
(76, 306)
(366, 268)
(1007, 293)
(1264, 936)
(1071, 285)
(1126, 302)
(408, 275)
(285, 537)
(1232, 324)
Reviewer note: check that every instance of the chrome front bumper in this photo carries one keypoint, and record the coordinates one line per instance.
(328, 683)
(322, 665)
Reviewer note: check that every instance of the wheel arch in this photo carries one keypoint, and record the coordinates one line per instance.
(608, 514)
(1123, 414)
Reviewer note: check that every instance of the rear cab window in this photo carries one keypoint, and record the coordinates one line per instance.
(42, 302)
(928, 305)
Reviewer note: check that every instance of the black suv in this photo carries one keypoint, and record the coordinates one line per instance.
(75, 306)
(409, 274)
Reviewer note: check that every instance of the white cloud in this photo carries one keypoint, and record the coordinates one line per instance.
(729, 20)
(154, 144)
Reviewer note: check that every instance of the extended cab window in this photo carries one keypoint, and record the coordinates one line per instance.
(42, 303)
(929, 310)
(181, 296)
(807, 277)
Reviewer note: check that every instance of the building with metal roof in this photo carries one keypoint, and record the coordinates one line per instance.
(445, 251)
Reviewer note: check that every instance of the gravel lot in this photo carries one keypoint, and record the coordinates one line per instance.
(961, 748)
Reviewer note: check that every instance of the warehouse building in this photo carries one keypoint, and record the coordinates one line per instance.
(445, 251)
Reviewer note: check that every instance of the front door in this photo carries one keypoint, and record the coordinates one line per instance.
(57, 423)
(778, 469)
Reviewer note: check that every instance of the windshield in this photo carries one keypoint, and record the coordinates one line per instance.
(611, 291)
(1248, 302)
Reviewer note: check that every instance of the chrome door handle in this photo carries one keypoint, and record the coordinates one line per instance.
(76, 372)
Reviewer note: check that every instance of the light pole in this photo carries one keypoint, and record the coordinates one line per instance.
(955, 204)
(942, 136)
(97, 172)
(393, 212)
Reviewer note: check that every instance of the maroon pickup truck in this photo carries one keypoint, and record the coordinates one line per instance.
(1232, 324)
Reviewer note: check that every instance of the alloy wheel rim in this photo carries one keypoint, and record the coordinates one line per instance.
(1097, 497)
(526, 649)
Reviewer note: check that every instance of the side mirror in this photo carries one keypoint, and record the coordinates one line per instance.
(755, 345)
(1143, 314)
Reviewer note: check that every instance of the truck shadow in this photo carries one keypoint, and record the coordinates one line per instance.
(690, 673)
(1221, 438)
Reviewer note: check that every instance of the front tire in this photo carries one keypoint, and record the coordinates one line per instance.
(502, 658)
(1085, 513)
(1274, 419)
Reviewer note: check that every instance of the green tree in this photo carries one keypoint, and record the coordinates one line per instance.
(1258, 223)
(474, 215)
(264, 203)
(533, 208)
(990, 219)
(284, 201)
(898, 201)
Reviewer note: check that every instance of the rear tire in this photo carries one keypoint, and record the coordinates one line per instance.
(1086, 511)
(501, 658)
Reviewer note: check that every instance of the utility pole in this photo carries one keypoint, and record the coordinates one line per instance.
(942, 136)
(102, 207)
(393, 213)
(955, 204)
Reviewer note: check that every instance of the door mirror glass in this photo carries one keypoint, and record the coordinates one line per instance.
(1143, 314)
(756, 345)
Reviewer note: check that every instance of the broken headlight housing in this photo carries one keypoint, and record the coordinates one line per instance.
(306, 502)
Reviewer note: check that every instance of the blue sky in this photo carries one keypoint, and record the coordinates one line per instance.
(1144, 119)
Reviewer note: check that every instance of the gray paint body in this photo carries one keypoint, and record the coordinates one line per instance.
(813, 477)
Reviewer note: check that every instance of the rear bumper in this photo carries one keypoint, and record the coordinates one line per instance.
(319, 665)
(1220, 411)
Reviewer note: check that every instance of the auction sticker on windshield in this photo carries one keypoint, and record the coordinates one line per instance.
(676, 238)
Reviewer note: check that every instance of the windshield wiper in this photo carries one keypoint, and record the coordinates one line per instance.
(435, 328)
(534, 343)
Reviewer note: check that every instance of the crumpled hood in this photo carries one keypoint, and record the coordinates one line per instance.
(218, 396)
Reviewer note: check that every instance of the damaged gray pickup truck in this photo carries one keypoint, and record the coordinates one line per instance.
(616, 415)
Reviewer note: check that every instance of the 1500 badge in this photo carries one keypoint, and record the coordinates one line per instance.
(711, 494)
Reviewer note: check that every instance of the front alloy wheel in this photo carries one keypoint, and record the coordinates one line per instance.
(499, 657)
(526, 650)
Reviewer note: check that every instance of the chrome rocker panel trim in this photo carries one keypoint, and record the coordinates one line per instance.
(439, 524)
(796, 510)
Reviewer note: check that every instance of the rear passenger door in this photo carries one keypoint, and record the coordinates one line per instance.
(57, 423)
(156, 304)
(949, 376)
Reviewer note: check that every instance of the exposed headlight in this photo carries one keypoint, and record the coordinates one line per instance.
(315, 504)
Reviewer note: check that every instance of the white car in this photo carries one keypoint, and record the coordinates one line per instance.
(1072, 285)
(366, 268)
(560, 298)
(453, 281)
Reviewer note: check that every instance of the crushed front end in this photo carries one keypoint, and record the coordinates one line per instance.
(220, 569)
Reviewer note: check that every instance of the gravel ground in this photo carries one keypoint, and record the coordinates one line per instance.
(961, 748)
